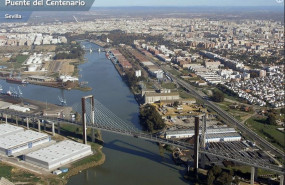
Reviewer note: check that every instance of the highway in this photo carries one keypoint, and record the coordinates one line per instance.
(226, 116)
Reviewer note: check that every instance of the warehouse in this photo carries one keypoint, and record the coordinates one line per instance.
(17, 142)
(6, 129)
(59, 154)
(152, 97)
(228, 137)
(41, 78)
(180, 134)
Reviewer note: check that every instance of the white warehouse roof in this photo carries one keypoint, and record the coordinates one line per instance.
(58, 154)
(7, 129)
(208, 131)
(232, 136)
(20, 138)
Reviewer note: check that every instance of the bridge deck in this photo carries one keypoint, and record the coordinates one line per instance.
(223, 154)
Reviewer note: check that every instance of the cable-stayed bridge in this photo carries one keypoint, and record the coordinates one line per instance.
(95, 115)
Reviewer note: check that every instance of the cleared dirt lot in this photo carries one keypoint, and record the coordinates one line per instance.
(47, 48)
(60, 66)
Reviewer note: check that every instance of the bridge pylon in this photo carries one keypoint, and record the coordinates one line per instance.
(84, 118)
(203, 139)
(196, 146)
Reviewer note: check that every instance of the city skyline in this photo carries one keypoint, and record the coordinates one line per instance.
(180, 92)
(183, 3)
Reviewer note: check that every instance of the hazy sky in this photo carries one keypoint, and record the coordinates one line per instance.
(188, 3)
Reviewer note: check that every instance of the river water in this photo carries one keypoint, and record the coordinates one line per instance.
(129, 161)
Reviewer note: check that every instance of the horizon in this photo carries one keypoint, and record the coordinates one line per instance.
(188, 3)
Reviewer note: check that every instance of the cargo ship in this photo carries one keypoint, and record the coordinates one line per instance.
(16, 80)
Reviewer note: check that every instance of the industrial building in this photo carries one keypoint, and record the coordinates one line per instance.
(36, 78)
(212, 134)
(59, 154)
(18, 141)
(6, 129)
(228, 137)
(163, 95)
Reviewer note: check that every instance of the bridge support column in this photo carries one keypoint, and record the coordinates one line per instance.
(281, 179)
(196, 146)
(39, 125)
(45, 126)
(34, 122)
(93, 119)
(203, 140)
(27, 119)
(252, 177)
(84, 129)
(52, 128)
(6, 118)
(58, 127)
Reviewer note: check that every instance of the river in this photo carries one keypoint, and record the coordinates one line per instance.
(129, 161)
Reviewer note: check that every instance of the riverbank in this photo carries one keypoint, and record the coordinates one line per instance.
(59, 85)
(99, 43)
(89, 162)
(120, 71)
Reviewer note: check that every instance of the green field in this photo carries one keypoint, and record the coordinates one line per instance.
(239, 115)
(174, 72)
(184, 95)
(5, 171)
(16, 175)
(269, 132)
(21, 58)
(231, 97)
(168, 85)
(16, 62)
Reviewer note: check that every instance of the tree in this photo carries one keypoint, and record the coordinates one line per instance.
(271, 119)
(77, 117)
(216, 170)
(224, 179)
(131, 78)
(236, 181)
(210, 178)
(218, 96)
(77, 130)
(282, 111)
(150, 119)
(175, 104)
(213, 174)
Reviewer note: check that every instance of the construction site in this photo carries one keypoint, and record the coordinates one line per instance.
(41, 69)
